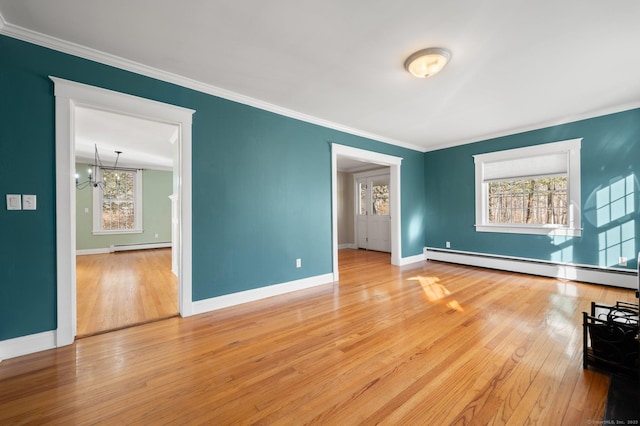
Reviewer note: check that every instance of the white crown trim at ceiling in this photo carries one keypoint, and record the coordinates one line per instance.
(81, 51)
(516, 130)
(34, 37)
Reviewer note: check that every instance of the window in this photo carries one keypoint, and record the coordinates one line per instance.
(532, 190)
(380, 197)
(373, 195)
(117, 202)
(362, 200)
(541, 201)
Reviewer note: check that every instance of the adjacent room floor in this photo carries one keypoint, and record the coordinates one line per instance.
(125, 288)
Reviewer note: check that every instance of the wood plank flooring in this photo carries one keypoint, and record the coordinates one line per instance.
(125, 288)
(419, 345)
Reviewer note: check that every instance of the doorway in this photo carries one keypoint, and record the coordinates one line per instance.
(346, 152)
(126, 179)
(68, 96)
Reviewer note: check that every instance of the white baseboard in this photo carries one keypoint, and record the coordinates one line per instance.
(616, 277)
(347, 246)
(214, 303)
(413, 259)
(24, 345)
(92, 251)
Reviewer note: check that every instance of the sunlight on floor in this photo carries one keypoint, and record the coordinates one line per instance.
(436, 291)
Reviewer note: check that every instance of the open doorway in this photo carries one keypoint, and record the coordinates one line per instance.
(68, 97)
(341, 156)
(125, 184)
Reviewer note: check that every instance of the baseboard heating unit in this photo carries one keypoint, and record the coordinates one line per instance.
(617, 277)
(144, 246)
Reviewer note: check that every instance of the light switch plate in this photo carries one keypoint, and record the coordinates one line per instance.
(28, 202)
(14, 202)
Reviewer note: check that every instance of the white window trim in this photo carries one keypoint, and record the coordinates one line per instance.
(97, 209)
(574, 226)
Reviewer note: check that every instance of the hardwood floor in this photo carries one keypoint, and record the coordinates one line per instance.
(124, 288)
(419, 345)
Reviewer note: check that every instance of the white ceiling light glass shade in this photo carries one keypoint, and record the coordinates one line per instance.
(427, 62)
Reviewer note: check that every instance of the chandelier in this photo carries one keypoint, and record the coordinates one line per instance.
(92, 179)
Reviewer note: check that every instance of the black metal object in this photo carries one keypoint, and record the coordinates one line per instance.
(610, 337)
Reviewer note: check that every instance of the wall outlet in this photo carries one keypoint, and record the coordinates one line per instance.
(448, 244)
(156, 235)
(298, 263)
(622, 261)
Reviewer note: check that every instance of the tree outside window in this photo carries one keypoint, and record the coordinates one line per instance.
(118, 202)
(541, 201)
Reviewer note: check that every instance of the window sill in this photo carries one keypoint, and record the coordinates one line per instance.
(533, 230)
(119, 232)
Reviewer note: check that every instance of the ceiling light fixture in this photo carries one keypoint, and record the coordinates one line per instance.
(92, 172)
(427, 62)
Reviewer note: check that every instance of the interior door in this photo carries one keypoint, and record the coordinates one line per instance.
(373, 216)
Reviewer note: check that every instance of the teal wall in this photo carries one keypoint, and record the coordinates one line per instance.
(610, 164)
(261, 186)
(157, 186)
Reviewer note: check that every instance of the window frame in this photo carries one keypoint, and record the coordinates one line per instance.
(98, 197)
(570, 148)
(366, 177)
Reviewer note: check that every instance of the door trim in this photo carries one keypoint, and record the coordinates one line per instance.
(68, 95)
(394, 164)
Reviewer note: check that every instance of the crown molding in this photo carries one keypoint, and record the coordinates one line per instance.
(541, 125)
(20, 33)
(84, 52)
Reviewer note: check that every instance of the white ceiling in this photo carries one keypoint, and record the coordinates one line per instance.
(144, 143)
(351, 165)
(516, 64)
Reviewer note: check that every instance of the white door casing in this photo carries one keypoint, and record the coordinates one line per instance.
(394, 164)
(69, 95)
(175, 233)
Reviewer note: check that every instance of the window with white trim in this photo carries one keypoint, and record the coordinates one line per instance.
(531, 190)
(117, 202)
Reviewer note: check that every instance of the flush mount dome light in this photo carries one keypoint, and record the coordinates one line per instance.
(427, 62)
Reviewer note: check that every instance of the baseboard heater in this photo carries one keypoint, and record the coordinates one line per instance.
(143, 246)
(616, 277)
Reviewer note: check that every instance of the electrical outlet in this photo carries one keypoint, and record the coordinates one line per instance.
(622, 261)
(298, 263)
(156, 235)
(448, 244)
